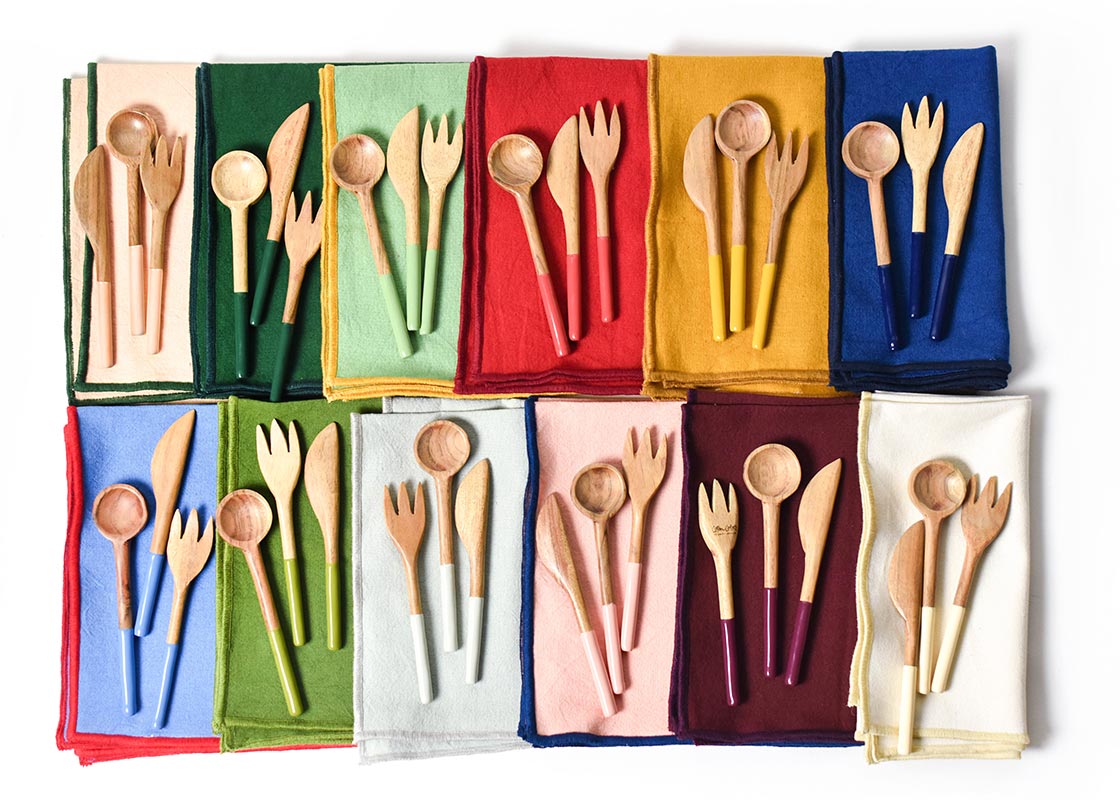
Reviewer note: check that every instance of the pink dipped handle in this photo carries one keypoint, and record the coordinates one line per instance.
(630, 604)
(598, 672)
(575, 312)
(797, 643)
(730, 660)
(771, 661)
(609, 615)
(552, 314)
(606, 289)
(155, 310)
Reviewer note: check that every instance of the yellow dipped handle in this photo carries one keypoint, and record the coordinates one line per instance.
(738, 287)
(715, 285)
(762, 312)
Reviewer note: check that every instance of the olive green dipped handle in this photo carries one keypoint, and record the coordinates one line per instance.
(428, 311)
(396, 316)
(264, 281)
(412, 282)
(284, 670)
(295, 601)
(241, 333)
(283, 355)
(334, 608)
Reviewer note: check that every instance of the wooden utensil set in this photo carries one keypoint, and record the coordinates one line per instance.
(870, 151)
(599, 490)
(937, 489)
(515, 164)
(441, 449)
(740, 131)
(772, 473)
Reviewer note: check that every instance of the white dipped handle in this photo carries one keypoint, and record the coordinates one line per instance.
(906, 711)
(609, 615)
(954, 621)
(925, 650)
(155, 311)
(630, 604)
(598, 672)
(420, 654)
(474, 637)
(448, 612)
(136, 289)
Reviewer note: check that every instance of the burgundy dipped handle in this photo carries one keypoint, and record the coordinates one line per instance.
(797, 643)
(730, 660)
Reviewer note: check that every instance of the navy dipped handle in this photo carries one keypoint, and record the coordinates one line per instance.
(940, 326)
(917, 270)
(889, 316)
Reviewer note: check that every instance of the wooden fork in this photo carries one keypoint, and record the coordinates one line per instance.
(406, 524)
(719, 525)
(439, 161)
(784, 178)
(161, 178)
(280, 461)
(599, 149)
(921, 140)
(644, 472)
(303, 235)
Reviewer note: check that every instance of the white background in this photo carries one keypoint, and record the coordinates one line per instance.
(1058, 85)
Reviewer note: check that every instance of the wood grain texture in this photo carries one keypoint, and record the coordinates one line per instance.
(439, 161)
(243, 519)
(904, 582)
(406, 524)
(120, 513)
(719, 525)
(357, 164)
(303, 235)
(958, 178)
(555, 554)
(870, 151)
(441, 448)
(322, 482)
(645, 470)
(187, 554)
(772, 473)
(282, 160)
(472, 506)
(921, 139)
(785, 174)
(403, 163)
(814, 518)
(562, 175)
(169, 459)
(598, 491)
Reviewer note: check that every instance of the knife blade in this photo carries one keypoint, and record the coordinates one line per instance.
(91, 203)
(472, 502)
(403, 164)
(701, 182)
(321, 482)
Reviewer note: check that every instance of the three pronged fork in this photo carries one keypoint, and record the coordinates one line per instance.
(406, 524)
(644, 472)
(439, 160)
(921, 139)
(162, 176)
(303, 235)
(281, 461)
(599, 148)
(719, 525)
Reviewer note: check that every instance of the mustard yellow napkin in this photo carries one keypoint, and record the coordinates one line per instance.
(679, 350)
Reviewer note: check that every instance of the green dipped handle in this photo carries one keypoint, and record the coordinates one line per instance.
(334, 608)
(295, 601)
(241, 333)
(264, 281)
(412, 285)
(283, 353)
(396, 317)
(284, 670)
(428, 312)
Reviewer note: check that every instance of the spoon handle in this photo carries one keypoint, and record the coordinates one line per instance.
(239, 220)
(544, 282)
(738, 318)
(136, 287)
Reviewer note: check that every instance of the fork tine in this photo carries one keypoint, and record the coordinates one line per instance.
(1004, 501)
(719, 503)
(441, 137)
(276, 438)
(177, 155)
(733, 505)
(614, 128)
(646, 446)
(191, 529)
(971, 493)
(704, 503)
(628, 446)
(457, 139)
(390, 511)
(787, 147)
(988, 496)
(662, 449)
(922, 120)
(404, 505)
(429, 137)
(306, 212)
(293, 439)
(317, 220)
(160, 156)
(938, 119)
(290, 216)
(262, 445)
(907, 118)
(600, 119)
(584, 127)
(802, 153)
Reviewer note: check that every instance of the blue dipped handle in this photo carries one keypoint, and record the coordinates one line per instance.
(940, 326)
(128, 670)
(167, 685)
(887, 290)
(147, 610)
(917, 270)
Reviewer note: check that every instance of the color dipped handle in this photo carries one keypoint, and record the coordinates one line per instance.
(886, 290)
(155, 310)
(917, 271)
(241, 333)
(730, 660)
(395, 315)
(770, 599)
(413, 287)
(954, 622)
(940, 326)
(128, 671)
(170, 663)
(609, 616)
(448, 605)
(606, 287)
(334, 608)
(136, 290)
(552, 314)
(797, 643)
(420, 656)
(280, 368)
(598, 673)
(295, 601)
(428, 302)
(762, 310)
(474, 637)
(575, 289)
(263, 289)
(738, 287)
(630, 605)
(102, 312)
(284, 670)
(925, 650)
(146, 612)
(906, 710)
(718, 302)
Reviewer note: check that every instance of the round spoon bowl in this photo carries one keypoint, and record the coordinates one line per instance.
(772, 473)
(129, 135)
(870, 150)
(238, 178)
(599, 490)
(742, 129)
(937, 488)
(243, 518)
(357, 163)
(515, 162)
(120, 512)
(441, 448)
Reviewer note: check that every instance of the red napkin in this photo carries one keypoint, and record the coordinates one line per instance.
(504, 342)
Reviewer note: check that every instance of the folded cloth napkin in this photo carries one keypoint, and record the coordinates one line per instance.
(558, 701)
(359, 356)
(975, 354)
(505, 347)
(91, 719)
(390, 722)
(679, 349)
(983, 712)
(240, 106)
(166, 93)
(249, 710)
(720, 431)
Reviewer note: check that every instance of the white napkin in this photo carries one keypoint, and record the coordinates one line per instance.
(389, 720)
(983, 712)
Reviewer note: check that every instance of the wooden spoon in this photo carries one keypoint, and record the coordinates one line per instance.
(439, 161)
(129, 135)
(321, 482)
(870, 151)
(701, 181)
(441, 449)
(937, 489)
(239, 180)
(556, 556)
(982, 518)
(91, 202)
(742, 129)
(406, 524)
(772, 473)
(921, 140)
(280, 462)
(719, 525)
(645, 470)
(357, 164)
(187, 554)
(562, 174)
(515, 164)
(598, 491)
(243, 520)
(403, 163)
(471, 505)
(120, 512)
(599, 149)
(904, 582)
(162, 176)
(303, 235)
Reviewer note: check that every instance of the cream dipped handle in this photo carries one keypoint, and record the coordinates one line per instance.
(954, 622)
(925, 650)
(906, 710)
(420, 655)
